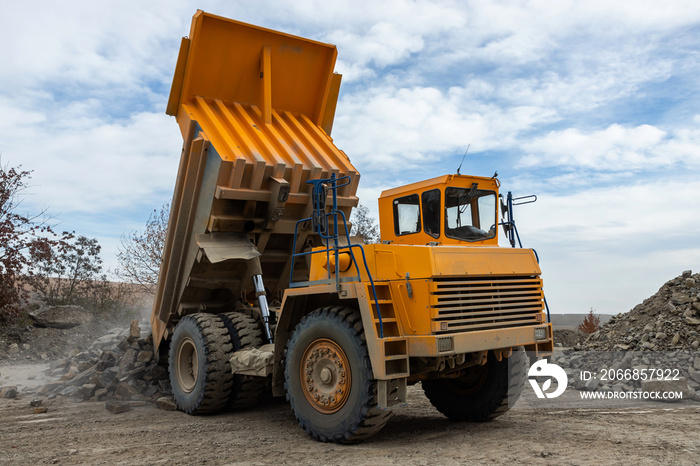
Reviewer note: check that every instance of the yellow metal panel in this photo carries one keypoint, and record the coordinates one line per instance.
(178, 78)
(413, 311)
(485, 261)
(224, 63)
(393, 261)
(331, 102)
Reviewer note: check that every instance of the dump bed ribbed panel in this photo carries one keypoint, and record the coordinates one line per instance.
(291, 147)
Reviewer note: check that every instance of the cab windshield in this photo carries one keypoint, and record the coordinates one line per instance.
(470, 213)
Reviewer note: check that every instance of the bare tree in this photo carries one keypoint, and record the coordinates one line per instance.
(67, 273)
(363, 224)
(22, 238)
(140, 254)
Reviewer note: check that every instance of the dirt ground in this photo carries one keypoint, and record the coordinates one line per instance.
(86, 433)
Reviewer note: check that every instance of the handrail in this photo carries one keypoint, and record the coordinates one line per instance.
(319, 190)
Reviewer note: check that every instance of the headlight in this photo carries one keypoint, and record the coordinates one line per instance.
(541, 333)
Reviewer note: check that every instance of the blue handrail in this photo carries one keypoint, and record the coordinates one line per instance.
(320, 221)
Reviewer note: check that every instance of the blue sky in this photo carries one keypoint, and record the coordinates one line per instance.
(592, 106)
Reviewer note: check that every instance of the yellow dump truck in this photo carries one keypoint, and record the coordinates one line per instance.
(261, 287)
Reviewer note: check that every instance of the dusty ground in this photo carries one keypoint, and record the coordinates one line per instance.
(73, 433)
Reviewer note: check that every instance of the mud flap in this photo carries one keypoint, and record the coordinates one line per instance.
(391, 393)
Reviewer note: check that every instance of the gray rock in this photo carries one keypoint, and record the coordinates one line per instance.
(125, 391)
(86, 391)
(144, 356)
(166, 403)
(592, 384)
(68, 391)
(116, 407)
(61, 316)
(680, 298)
(83, 376)
(680, 385)
(8, 392)
(676, 338)
(687, 273)
(694, 375)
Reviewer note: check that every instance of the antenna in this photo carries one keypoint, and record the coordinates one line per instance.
(465, 154)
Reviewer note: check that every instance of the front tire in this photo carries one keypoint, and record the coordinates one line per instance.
(481, 393)
(200, 372)
(328, 377)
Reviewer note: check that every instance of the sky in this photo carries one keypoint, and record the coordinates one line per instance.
(592, 106)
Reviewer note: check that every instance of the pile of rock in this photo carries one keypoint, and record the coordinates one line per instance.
(118, 366)
(667, 321)
(566, 338)
(660, 334)
(52, 333)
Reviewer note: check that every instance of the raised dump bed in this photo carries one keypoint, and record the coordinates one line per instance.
(255, 108)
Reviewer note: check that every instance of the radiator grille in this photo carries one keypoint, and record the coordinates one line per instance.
(485, 303)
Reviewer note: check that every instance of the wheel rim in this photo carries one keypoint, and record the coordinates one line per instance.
(187, 365)
(325, 375)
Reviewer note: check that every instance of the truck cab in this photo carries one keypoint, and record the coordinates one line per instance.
(448, 210)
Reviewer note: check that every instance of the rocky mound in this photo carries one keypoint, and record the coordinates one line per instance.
(658, 338)
(568, 338)
(61, 316)
(118, 366)
(669, 320)
(34, 344)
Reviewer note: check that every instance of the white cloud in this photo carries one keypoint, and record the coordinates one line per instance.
(87, 44)
(88, 165)
(617, 147)
(395, 128)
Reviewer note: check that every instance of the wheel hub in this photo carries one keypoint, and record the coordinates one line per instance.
(325, 376)
(187, 365)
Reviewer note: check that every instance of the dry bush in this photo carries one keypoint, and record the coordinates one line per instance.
(590, 324)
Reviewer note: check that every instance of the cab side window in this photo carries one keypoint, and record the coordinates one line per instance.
(407, 215)
(431, 212)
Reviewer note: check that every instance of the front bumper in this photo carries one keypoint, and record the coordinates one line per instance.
(469, 342)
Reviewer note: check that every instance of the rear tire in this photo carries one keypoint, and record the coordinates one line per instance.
(200, 372)
(244, 332)
(329, 380)
(482, 393)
